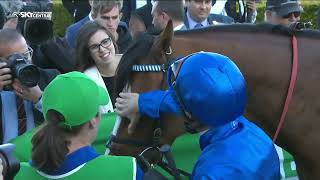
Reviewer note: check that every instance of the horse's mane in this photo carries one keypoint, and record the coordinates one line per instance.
(255, 28)
(137, 50)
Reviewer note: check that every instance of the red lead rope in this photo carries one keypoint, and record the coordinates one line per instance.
(294, 71)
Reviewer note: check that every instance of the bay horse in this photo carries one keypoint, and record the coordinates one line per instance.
(264, 55)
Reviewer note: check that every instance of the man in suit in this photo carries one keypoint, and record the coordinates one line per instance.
(198, 15)
(164, 10)
(109, 13)
(72, 30)
(20, 107)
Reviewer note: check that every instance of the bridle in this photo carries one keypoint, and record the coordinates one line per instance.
(190, 124)
(154, 144)
(150, 68)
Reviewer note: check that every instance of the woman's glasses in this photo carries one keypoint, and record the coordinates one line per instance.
(173, 73)
(295, 14)
(104, 43)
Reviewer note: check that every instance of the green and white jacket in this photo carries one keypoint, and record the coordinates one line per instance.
(102, 167)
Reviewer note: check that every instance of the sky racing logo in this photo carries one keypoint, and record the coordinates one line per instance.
(38, 15)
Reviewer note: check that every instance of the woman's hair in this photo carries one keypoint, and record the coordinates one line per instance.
(50, 143)
(82, 52)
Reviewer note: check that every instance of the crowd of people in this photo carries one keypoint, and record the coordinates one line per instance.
(66, 108)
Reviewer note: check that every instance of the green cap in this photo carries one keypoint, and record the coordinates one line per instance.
(75, 96)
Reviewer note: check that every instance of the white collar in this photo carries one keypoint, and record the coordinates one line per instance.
(178, 27)
(193, 23)
(95, 75)
(90, 16)
(218, 8)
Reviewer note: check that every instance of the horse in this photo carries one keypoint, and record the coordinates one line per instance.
(264, 55)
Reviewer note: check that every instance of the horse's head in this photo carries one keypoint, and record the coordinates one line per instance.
(143, 68)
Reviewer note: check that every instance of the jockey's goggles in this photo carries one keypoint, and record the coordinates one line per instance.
(174, 70)
(173, 73)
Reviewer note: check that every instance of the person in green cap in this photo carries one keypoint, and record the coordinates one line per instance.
(61, 148)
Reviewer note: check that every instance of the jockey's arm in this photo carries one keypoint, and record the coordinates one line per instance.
(153, 103)
(149, 104)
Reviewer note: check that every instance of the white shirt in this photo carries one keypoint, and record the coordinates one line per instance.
(178, 27)
(90, 16)
(141, 3)
(219, 7)
(193, 23)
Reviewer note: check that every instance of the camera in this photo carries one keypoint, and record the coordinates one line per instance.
(27, 73)
(10, 164)
(36, 28)
(300, 25)
(37, 31)
(34, 18)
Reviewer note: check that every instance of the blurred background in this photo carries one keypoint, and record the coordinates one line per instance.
(62, 18)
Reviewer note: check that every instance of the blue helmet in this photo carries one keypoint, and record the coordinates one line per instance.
(210, 87)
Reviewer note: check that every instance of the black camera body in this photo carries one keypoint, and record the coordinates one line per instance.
(300, 26)
(27, 73)
(36, 29)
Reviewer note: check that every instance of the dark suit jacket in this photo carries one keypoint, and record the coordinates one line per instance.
(212, 17)
(72, 32)
(46, 76)
(54, 54)
(81, 8)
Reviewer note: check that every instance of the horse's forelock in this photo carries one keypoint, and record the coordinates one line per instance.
(137, 50)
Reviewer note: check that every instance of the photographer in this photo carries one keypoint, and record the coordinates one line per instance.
(32, 19)
(19, 104)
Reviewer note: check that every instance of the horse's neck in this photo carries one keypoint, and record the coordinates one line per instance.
(264, 60)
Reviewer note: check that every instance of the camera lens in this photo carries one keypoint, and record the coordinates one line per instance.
(28, 74)
(38, 31)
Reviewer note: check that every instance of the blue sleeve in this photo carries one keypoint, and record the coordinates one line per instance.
(70, 36)
(153, 103)
(220, 172)
(139, 173)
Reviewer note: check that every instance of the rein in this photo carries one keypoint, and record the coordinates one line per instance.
(294, 72)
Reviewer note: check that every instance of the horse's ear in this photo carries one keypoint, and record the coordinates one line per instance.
(165, 38)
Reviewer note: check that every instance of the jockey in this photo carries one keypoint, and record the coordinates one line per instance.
(62, 147)
(209, 88)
